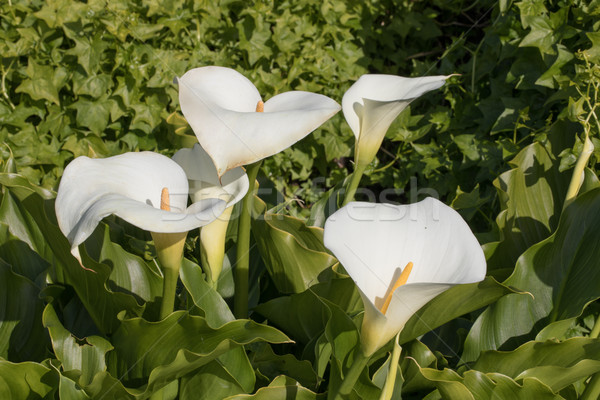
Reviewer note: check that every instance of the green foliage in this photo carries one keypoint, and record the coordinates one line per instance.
(559, 272)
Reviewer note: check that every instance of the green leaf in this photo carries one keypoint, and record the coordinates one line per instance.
(293, 252)
(27, 380)
(94, 85)
(215, 309)
(22, 337)
(21, 258)
(593, 53)
(556, 364)
(531, 195)
(422, 356)
(84, 358)
(43, 82)
(92, 115)
(99, 289)
(454, 302)
(281, 388)
(302, 316)
(550, 77)
(130, 273)
(272, 365)
(210, 381)
(88, 51)
(561, 274)
(476, 385)
(327, 204)
(159, 352)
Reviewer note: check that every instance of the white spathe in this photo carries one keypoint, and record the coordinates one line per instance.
(220, 105)
(374, 243)
(374, 101)
(203, 178)
(130, 186)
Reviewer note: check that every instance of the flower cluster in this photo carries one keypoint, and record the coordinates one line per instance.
(400, 257)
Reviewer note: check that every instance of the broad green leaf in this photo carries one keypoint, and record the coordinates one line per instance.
(272, 365)
(302, 316)
(327, 204)
(215, 309)
(422, 356)
(130, 273)
(22, 337)
(476, 385)
(21, 223)
(27, 380)
(454, 302)
(23, 260)
(281, 388)
(210, 381)
(560, 378)
(31, 219)
(84, 357)
(556, 364)
(162, 351)
(68, 389)
(237, 364)
(531, 195)
(559, 272)
(293, 252)
(22, 186)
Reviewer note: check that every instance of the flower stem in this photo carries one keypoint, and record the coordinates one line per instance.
(240, 304)
(169, 249)
(592, 390)
(360, 362)
(390, 380)
(596, 329)
(579, 171)
(212, 243)
(170, 274)
(359, 169)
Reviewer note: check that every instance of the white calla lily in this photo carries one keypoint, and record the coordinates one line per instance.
(401, 257)
(374, 101)
(205, 183)
(130, 186)
(220, 105)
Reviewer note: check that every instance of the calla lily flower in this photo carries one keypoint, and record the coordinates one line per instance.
(401, 257)
(204, 183)
(220, 105)
(374, 101)
(131, 186)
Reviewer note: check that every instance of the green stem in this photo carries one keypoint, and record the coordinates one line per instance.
(354, 181)
(592, 390)
(242, 265)
(171, 274)
(390, 380)
(596, 329)
(579, 171)
(360, 362)
(169, 250)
